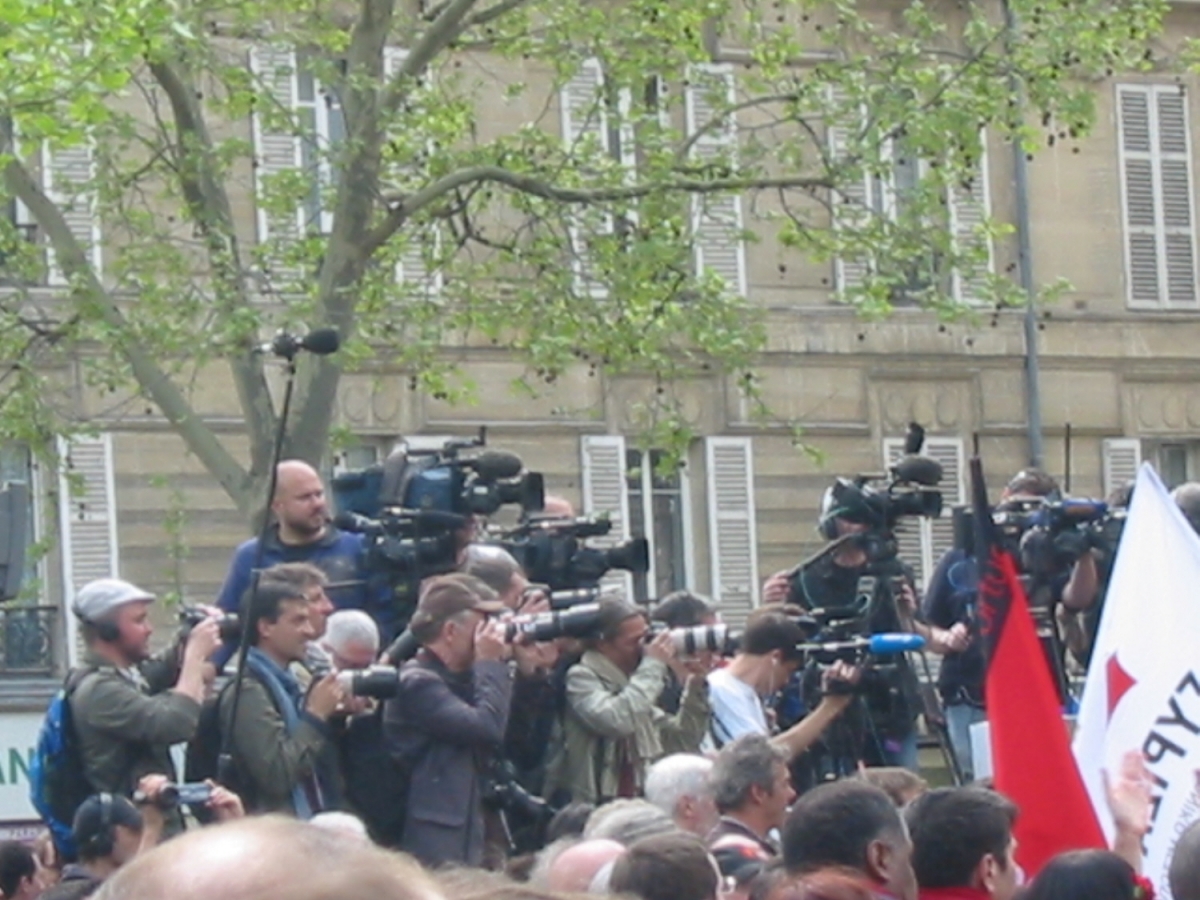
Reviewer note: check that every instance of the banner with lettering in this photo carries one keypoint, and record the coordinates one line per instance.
(1143, 686)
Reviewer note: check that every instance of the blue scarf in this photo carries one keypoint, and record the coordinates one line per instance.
(287, 696)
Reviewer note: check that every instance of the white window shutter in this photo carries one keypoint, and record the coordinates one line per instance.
(67, 173)
(87, 520)
(970, 208)
(732, 533)
(276, 145)
(717, 219)
(1121, 459)
(1155, 158)
(851, 200)
(585, 130)
(604, 494)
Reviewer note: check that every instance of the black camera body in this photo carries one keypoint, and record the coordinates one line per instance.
(553, 552)
(228, 624)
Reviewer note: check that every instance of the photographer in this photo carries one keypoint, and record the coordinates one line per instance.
(279, 733)
(612, 726)
(127, 708)
(449, 717)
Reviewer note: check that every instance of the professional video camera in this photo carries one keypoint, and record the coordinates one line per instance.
(552, 551)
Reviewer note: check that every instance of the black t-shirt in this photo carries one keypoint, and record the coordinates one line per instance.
(949, 600)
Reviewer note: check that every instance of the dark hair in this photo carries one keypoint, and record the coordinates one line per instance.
(612, 615)
(266, 602)
(895, 781)
(496, 569)
(569, 821)
(299, 575)
(1083, 875)
(682, 609)
(674, 866)
(772, 631)
(834, 824)
(1185, 865)
(1032, 481)
(952, 829)
(16, 864)
(741, 766)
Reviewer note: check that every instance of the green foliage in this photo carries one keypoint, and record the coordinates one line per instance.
(453, 170)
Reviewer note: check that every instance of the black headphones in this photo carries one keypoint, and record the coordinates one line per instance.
(105, 630)
(100, 843)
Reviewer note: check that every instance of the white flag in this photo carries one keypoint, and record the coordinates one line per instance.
(1143, 686)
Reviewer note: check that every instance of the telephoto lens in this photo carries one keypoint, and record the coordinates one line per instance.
(380, 682)
(719, 639)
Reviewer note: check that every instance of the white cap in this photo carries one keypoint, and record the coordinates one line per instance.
(98, 598)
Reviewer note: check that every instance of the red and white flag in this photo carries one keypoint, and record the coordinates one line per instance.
(1143, 686)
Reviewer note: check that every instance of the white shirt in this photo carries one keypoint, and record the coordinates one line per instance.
(736, 710)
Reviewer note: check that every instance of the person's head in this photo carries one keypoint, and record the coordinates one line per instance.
(627, 821)
(343, 823)
(280, 625)
(573, 870)
(846, 509)
(683, 609)
(268, 856)
(1029, 484)
(1187, 498)
(770, 641)
(1184, 873)
(569, 821)
(823, 884)
(449, 612)
(1084, 875)
(751, 782)
(115, 617)
(20, 872)
(620, 634)
(680, 786)
(108, 828)
(496, 568)
(666, 867)
(853, 824)
(963, 837)
(299, 504)
(352, 639)
(309, 581)
(902, 785)
(555, 507)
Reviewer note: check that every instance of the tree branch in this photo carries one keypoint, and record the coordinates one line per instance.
(440, 34)
(407, 206)
(208, 203)
(493, 12)
(87, 289)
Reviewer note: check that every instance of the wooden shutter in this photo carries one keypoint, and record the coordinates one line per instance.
(67, 175)
(585, 132)
(732, 534)
(604, 493)
(276, 149)
(87, 520)
(1121, 459)
(852, 197)
(923, 541)
(1155, 157)
(717, 218)
(970, 208)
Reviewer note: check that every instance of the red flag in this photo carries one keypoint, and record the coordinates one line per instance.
(1031, 755)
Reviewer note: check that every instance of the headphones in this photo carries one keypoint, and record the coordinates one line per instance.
(105, 630)
(101, 843)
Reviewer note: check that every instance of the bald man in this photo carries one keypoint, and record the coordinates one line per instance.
(301, 532)
(269, 856)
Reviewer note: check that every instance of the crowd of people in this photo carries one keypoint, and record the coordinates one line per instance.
(491, 765)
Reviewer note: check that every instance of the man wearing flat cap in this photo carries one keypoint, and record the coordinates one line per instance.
(449, 717)
(127, 708)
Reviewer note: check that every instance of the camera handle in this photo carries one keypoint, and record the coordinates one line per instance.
(225, 769)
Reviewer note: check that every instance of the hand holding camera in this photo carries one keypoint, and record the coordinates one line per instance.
(490, 642)
(325, 696)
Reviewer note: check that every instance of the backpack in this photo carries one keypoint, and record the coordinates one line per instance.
(203, 758)
(58, 782)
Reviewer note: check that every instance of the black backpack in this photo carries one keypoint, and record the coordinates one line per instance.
(203, 757)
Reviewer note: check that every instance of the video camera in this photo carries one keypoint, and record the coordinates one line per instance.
(552, 551)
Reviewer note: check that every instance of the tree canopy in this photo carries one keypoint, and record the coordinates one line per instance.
(563, 179)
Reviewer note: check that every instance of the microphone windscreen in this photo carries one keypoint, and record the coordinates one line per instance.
(919, 470)
(322, 342)
(493, 464)
(352, 522)
(887, 644)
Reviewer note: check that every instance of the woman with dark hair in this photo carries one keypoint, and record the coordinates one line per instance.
(1088, 875)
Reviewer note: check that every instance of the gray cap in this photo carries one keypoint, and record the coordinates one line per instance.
(96, 599)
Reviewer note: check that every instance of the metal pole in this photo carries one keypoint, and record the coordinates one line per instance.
(1033, 400)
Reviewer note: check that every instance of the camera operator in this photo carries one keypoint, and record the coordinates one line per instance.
(612, 727)
(449, 717)
(683, 609)
(126, 707)
(768, 657)
(950, 601)
(279, 733)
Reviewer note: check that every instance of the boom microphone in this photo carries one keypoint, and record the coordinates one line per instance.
(321, 342)
(354, 523)
(918, 470)
(495, 464)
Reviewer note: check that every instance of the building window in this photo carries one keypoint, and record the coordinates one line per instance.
(323, 129)
(656, 510)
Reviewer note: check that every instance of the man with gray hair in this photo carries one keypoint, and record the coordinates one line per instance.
(680, 786)
(752, 789)
(1184, 874)
(351, 639)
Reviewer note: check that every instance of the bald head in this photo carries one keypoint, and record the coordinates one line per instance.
(576, 866)
(299, 505)
(267, 857)
(1185, 865)
(1187, 498)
